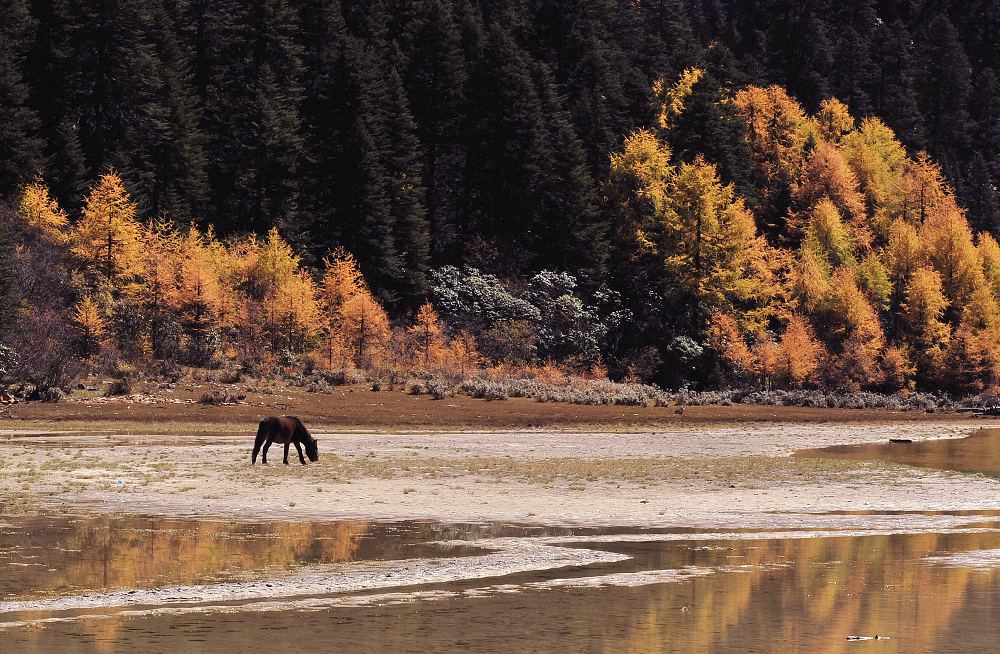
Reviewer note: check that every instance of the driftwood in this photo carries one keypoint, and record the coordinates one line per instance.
(900, 440)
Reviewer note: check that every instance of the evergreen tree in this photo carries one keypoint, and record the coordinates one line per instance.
(435, 74)
(253, 90)
(944, 84)
(528, 187)
(20, 149)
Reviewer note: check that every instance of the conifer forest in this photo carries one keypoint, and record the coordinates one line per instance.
(700, 193)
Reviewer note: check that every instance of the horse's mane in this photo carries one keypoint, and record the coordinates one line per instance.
(302, 432)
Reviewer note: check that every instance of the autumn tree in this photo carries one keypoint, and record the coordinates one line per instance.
(107, 238)
(428, 335)
(853, 328)
(948, 247)
(923, 311)
(42, 213)
(90, 324)
(199, 295)
(365, 327)
(827, 238)
(801, 353)
(724, 337)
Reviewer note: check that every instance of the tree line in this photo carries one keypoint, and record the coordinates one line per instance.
(532, 167)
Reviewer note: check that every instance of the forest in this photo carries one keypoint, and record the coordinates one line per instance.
(694, 193)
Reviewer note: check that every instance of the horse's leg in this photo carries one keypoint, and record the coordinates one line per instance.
(298, 448)
(286, 454)
(264, 453)
(256, 448)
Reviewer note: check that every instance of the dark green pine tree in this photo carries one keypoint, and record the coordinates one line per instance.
(944, 86)
(53, 93)
(362, 166)
(597, 76)
(175, 166)
(20, 148)
(893, 92)
(123, 100)
(981, 197)
(434, 74)
(529, 191)
(852, 66)
(252, 77)
(403, 162)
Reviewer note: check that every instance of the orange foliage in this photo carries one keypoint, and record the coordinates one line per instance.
(428, 335)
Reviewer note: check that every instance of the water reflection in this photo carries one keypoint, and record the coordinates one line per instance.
(789, 595)
(46, 556)
(979, 452)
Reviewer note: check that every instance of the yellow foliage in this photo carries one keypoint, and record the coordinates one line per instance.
(42, 213)
(107, 238)
(948, 247)
(801, 353)
(828, 239)
(725, 338)
(428, 335)
(924, 307)
(462, 354)
(777, 130)
(90, 323)
(672, 100)
(877, 159)
(364, 327)
(834, 120)
(827, 176)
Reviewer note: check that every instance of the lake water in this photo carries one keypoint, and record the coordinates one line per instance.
(655, 592)
(979, 452)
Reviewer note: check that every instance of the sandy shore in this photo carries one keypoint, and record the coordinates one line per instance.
(687, 475)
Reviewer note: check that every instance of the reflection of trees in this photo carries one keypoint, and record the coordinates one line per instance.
(104, 552)
(831, 587)
(977, 453)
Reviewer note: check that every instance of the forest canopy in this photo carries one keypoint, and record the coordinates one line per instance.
(757, 194)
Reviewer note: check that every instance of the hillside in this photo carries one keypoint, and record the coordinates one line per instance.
(657, 191)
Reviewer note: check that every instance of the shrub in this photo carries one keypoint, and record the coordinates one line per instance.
(220, 397)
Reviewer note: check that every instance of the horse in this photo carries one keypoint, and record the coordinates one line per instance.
(288, 430)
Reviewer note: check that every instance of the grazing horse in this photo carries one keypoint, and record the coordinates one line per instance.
(288, 430)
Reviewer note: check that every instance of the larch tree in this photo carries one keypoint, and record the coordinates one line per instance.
(199, 295)
(42, 213)
(923, 311)
(365, 327)
(711, 249)
(428, 335)
(827, 238)
(90, 324)
(948, 247)
(107, 237)
(802, 354)
(852, 324)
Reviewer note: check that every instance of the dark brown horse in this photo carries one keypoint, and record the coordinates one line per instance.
(288, 430)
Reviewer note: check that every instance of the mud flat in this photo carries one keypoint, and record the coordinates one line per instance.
(689, 475)
(682, 538)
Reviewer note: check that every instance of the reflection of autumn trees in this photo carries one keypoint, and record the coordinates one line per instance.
(829, 588)
(104, 553)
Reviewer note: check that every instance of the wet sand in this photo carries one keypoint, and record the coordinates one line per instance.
(685, 476)
(800, 552)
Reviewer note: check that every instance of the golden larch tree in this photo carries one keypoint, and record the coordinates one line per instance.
(427, 333)
(90, 324)
(107, 237)
(42, 213)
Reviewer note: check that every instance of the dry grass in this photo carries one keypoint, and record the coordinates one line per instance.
(577, 472)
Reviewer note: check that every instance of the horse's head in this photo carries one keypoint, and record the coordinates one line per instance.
(312, 450)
